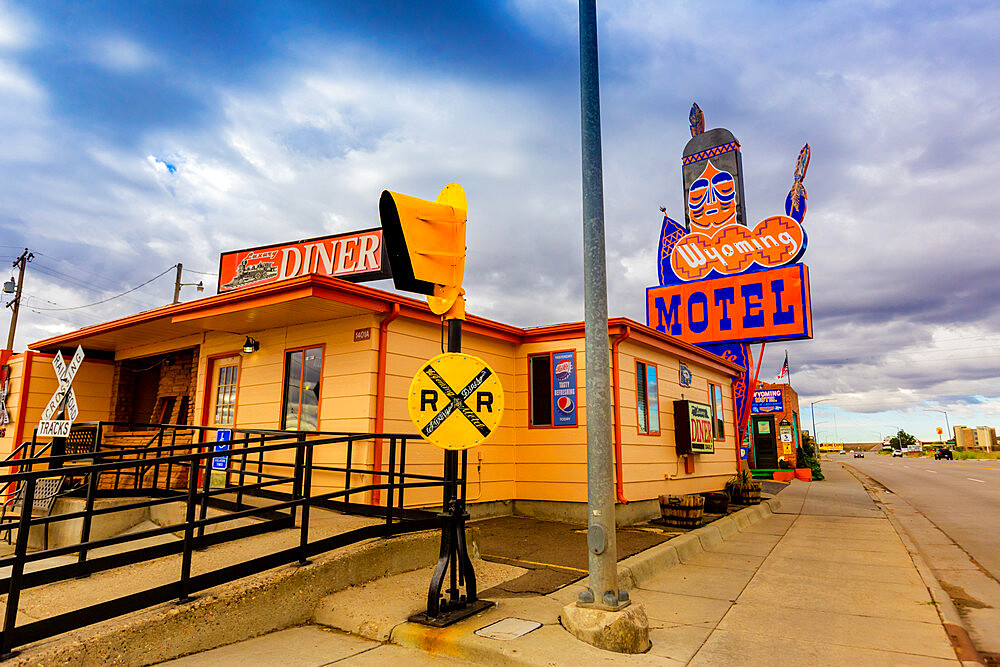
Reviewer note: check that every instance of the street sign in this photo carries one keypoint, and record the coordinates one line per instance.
(456, 401)
(222, 436)
(47, 427)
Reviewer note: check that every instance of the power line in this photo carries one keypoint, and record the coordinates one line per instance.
(201, 273)
(115, 296)
(88, 286)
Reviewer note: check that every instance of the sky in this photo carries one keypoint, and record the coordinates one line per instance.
(140, 134)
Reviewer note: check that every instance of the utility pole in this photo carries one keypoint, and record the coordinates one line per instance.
(15, 305)
(177, 283)
(200, 286)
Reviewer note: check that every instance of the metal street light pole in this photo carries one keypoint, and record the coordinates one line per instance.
(812, 411)
(946, 422)
(601, 539)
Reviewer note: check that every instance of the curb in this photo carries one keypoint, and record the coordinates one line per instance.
(952, 621)
(640, 568)
(950, 618)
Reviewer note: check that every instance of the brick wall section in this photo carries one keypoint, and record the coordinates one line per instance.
(178, 378)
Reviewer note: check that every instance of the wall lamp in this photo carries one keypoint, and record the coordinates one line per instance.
(250, 345)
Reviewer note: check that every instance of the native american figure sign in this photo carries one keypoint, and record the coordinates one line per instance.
(725, 283)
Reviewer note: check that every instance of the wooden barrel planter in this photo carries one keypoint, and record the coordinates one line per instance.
(745, 495)
(716, 502)
(682, 511)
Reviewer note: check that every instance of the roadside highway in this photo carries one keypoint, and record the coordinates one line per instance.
(962, 498)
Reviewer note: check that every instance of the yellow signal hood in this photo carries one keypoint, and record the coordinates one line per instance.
(425, 242)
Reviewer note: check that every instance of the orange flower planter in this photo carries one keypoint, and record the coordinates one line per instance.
(783, 475)
(805, 474)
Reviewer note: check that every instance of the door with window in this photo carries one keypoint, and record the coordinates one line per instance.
(225, 375)
(765, 444)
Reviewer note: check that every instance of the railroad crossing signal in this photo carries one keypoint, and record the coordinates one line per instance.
(63, 395)
(425, 242)
(456, 401)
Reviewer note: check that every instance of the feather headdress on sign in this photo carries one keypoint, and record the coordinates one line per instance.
(697, 120)
(795, 206)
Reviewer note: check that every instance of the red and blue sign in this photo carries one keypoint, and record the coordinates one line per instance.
(767, 400)
(725, 283)
(564, 388)
(750, 307)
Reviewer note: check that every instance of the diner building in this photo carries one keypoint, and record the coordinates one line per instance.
(317, 353)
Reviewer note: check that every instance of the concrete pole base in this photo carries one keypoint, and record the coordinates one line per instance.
(625, 631)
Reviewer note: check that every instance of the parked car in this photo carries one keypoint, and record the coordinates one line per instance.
(859, 455)
(843, 451)
(897, 452)
(943, 453)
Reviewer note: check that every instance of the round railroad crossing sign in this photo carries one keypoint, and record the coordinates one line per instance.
(455, 400)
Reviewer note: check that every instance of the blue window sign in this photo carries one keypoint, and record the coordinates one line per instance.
(222, 438)
(564, 388)
(767, 400)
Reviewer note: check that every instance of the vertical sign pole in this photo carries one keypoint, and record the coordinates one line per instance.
(601, 539)
(453, 557)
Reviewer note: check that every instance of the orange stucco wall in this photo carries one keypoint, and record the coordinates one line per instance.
(516, 463)
(31, 391)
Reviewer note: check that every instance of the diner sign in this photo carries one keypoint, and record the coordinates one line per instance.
(693, 428)
(355, 256)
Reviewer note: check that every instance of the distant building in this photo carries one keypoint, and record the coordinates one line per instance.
(980, 437)
(774, 425)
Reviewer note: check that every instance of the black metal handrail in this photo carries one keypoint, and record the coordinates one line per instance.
(275, 494)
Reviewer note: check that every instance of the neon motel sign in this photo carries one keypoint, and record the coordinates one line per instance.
(724, 283)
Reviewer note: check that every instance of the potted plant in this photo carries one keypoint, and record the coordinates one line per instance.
(743, 489)
(785, 473)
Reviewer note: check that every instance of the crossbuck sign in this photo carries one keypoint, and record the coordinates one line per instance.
(4, 383)
(64, 395)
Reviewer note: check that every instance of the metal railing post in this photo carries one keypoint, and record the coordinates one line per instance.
(17, 568)
(402, 469)
(88, 514)
(243, 468)
(205, 488)
(347, 474)
(390, 492)
(189, 531)
(306, 494)
(297, 474)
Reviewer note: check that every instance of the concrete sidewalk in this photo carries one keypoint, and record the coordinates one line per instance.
(820, 577)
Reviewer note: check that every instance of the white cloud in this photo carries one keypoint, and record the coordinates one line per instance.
(121, 54)
(16, 31)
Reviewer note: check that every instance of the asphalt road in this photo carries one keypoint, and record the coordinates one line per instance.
(961, 497)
